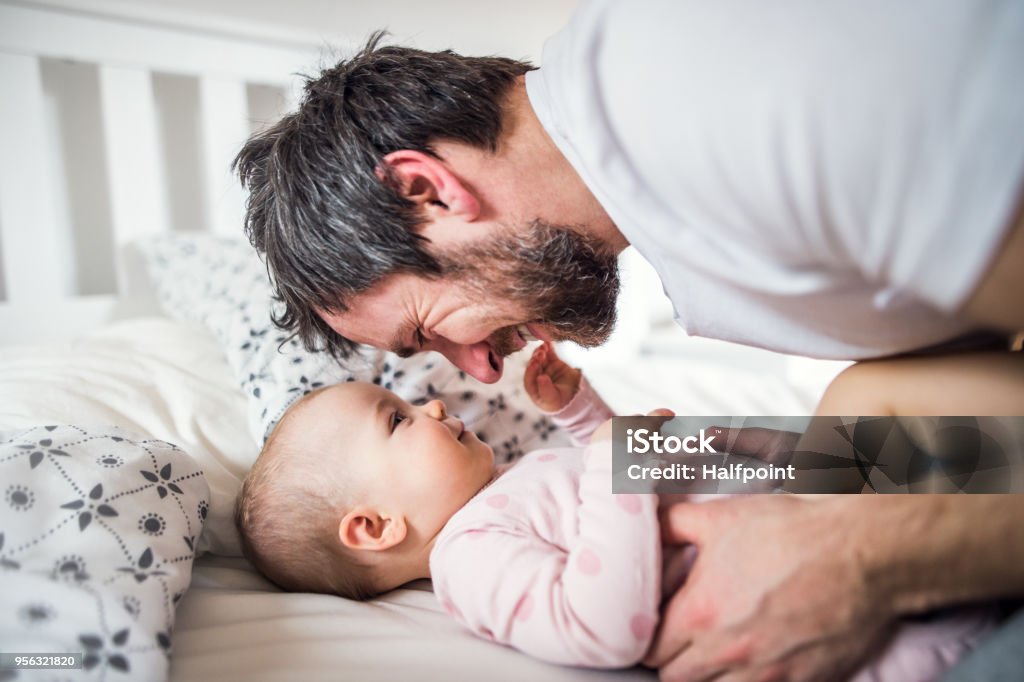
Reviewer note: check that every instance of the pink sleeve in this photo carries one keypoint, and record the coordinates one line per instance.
(583, 414)
(594, 603)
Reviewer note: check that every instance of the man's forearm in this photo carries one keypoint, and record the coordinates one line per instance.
(921, 552)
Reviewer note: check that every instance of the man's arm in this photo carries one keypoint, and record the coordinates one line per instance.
(954, 548)
(999, 299)
(807, 587)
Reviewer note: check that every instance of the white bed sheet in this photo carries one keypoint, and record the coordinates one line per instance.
(232, 625)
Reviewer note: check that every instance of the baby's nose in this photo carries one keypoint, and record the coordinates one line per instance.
(436, 409)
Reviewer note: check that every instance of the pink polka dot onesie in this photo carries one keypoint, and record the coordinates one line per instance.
(547, 560)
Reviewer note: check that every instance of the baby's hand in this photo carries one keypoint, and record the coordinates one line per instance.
(550, 383)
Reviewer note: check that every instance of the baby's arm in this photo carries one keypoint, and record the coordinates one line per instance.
(563, 393)
(594, 603)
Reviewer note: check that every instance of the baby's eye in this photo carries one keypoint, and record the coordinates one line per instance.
(396, 419)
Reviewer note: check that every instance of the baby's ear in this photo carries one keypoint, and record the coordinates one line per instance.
(370, 529)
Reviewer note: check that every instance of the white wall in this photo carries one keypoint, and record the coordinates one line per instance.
(481, 27)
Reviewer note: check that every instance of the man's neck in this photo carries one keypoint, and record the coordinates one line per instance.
(536, 177)
(536, 146)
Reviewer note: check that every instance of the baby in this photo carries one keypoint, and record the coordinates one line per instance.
(357, 492)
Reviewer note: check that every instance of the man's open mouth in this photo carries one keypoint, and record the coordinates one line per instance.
(525, 334)
(494, 360)
(512, 339)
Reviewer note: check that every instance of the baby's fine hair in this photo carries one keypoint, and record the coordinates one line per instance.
(287, 516)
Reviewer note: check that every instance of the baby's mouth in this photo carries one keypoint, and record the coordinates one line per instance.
(503, 342)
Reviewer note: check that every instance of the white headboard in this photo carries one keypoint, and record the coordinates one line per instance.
(112, 128)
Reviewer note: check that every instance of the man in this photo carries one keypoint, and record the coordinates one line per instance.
(834, 179)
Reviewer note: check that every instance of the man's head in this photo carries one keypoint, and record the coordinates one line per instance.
(353, 486)
(413, 202)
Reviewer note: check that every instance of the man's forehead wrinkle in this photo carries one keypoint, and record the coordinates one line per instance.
(409, 322)
(372, 317)
(389, 315)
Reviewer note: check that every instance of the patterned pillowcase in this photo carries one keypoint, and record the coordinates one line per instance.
(221, 284)
(97, 537)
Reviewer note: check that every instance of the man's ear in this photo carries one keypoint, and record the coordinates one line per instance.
(425, 180)
(370, 529)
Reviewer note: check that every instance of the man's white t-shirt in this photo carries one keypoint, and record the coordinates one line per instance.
(817, 177)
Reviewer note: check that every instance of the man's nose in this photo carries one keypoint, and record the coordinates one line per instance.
(473, 359)
(436, 409)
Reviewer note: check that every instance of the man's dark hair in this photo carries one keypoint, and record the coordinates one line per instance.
(327, 224)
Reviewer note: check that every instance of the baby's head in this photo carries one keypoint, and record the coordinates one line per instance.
(353, 486)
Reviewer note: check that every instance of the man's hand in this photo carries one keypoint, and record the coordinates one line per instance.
(778, 592)
(770, 446)
(549, 382)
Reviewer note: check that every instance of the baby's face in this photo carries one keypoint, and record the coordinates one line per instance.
(417, 460)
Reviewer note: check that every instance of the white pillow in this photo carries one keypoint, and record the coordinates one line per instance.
(166, 379)
(97, 535)
(222, 284)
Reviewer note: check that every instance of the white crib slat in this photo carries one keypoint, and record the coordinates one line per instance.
(35, 262)
(224, 126)
(134, 155)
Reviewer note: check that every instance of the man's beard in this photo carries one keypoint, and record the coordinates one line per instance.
(564, 280)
